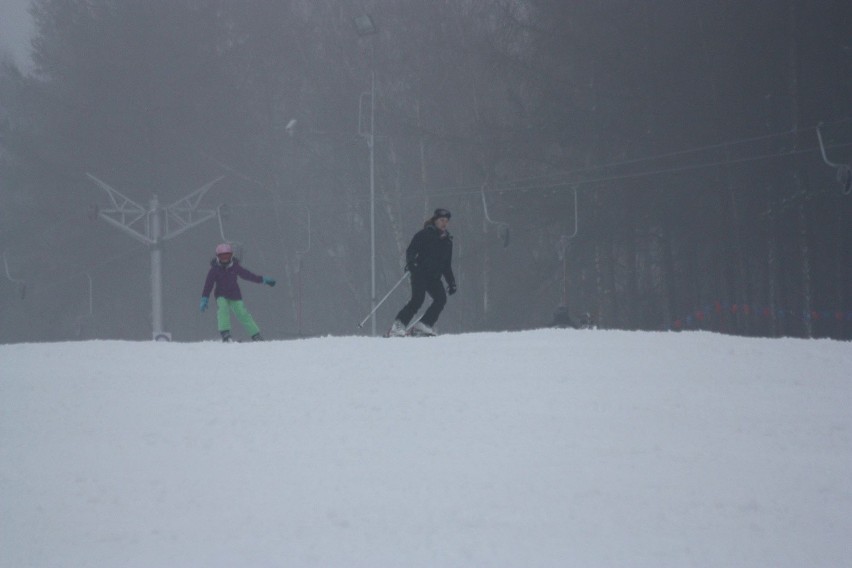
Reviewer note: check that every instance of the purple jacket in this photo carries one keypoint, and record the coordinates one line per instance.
(225, 279)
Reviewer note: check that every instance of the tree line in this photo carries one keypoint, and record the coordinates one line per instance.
(655, 165)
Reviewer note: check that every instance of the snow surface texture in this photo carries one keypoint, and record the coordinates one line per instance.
(547, 448)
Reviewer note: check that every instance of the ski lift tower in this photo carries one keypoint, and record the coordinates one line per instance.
(152, 226)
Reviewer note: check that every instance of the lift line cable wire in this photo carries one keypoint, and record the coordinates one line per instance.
(633, 161)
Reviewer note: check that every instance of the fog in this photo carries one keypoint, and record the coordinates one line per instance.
(16, 31)
(643, 165)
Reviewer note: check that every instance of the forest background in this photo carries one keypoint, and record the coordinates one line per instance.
(654, 164)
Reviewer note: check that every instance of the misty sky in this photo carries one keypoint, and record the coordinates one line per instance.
(15, 29)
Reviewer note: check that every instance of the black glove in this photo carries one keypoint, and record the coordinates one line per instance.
(451, 288)
(411, 266)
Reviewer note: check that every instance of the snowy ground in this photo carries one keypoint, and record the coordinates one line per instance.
(546, 448)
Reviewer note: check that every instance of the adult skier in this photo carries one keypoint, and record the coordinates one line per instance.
(427, 259)
(222, 281)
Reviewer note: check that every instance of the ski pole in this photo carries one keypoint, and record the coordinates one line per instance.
(382, 301)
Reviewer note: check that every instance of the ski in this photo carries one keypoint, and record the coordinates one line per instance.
(410, 331)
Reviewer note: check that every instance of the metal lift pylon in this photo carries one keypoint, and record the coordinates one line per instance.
(152, 226)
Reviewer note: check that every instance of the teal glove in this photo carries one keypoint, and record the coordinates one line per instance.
(203, 305)
(268, 281)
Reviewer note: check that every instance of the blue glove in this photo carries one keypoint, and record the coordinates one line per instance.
(268, 281)
(203, 305)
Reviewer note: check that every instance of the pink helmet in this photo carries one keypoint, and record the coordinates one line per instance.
(224, 248)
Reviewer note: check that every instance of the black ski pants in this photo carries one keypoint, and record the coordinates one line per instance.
(420, 286)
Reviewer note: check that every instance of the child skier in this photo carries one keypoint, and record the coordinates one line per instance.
(222, 276)
(427, 258)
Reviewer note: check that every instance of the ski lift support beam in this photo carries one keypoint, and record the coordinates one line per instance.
(180, 216)
(844, 171)
(184, 213)
(22, 284)
(504, 227)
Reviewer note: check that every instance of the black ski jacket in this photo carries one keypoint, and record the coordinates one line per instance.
(430, 255)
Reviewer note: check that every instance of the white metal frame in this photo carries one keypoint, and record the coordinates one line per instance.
(182, 215)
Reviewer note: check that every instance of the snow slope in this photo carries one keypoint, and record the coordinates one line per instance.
(544, 448)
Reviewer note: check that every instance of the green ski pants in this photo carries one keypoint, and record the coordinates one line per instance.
(223, 315)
